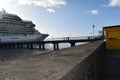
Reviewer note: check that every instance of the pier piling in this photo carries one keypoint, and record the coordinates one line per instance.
(40, 46)
(72, 44)
(56, 46)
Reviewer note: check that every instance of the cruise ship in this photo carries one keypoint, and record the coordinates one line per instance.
(14, 29)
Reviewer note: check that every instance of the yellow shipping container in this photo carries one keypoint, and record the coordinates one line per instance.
(112, 34)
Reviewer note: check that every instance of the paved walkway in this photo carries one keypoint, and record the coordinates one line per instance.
(50, 66)
(111, 67)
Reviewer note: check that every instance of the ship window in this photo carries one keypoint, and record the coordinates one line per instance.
(14, 38)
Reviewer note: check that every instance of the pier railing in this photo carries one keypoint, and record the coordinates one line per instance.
(73, 38)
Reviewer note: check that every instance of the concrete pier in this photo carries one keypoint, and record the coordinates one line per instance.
(75, 63)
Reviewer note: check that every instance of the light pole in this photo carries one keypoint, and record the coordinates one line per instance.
(93, 30)
(91, 34)
(69, 36)
(52, 37)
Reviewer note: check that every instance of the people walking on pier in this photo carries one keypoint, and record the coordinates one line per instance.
(68, 38)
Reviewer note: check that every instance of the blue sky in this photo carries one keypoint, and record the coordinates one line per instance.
(66, 17)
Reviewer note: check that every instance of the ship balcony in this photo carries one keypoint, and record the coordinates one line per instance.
(27, 21)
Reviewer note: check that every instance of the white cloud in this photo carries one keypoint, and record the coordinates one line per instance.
(50, 10)
(43, 3)
(48, 4)
(94, 12)
(114, 3)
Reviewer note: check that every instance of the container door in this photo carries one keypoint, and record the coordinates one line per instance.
(113, 39)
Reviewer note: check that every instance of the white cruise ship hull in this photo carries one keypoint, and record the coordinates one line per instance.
(22, 38)
(14, 29)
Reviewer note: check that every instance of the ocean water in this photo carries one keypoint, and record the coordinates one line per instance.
(9, 54)
(62, 45)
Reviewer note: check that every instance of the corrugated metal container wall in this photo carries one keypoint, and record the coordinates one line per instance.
(112, 37)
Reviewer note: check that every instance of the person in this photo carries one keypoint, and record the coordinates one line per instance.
(88, 37)
(67, 38)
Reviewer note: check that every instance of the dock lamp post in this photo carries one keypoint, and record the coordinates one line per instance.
(93, 30)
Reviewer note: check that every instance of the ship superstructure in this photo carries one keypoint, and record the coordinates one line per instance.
(14, 29)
